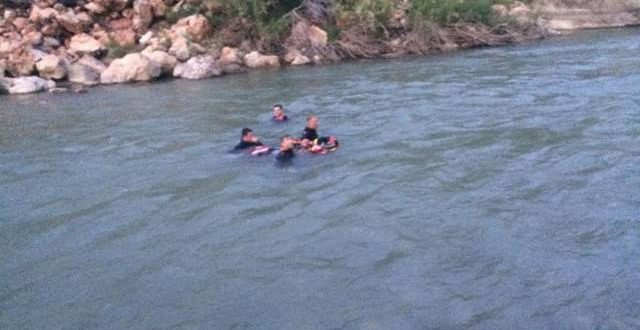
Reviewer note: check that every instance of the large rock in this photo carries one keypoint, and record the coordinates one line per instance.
(124, 38)
(199, 67)
(83, 74)
(84, 43)
(132, 67)
(92, 62)
(195, 27)
(317, 36)
(95, 8)
(51, 67)
(294, 57)
(256, 60)
(21, 62)
(143, 15)
(42, 15)
(86, 71)
(33, 38)
(74, 23)
(180, 48)
(229, 55)
(25, 85)
(166, 62)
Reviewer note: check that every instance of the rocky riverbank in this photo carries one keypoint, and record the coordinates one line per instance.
(48, 43)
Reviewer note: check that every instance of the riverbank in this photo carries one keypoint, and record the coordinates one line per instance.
(76, 43)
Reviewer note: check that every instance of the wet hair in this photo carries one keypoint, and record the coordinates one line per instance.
(311, 116)
(284, 137)
(278, 106)
(246, 131)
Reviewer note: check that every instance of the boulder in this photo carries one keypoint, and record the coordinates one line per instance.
(256, 60)
(295, 57)
(84, 43)
(232, 68)
(74, 23)
(25, 85)
(21, 62)
(41, 15)
(33, 38)
(123, 37)
(166, 62)
(229, 55)
(195, 27)
(92, 62)
(180, 48)
(132, 67)
(51, 67)
(199, 67)
(317, 36)
(95, 8)
(83, 74)
(20, 23)
(143, 15)
(9, 44)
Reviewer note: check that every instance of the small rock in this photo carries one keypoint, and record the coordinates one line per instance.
(199, 67)
(58, 90)
(144, 40)
(256, 60)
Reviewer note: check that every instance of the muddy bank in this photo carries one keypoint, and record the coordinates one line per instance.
(48, 43)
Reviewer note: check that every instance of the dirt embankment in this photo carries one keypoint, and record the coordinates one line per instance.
(563, 15)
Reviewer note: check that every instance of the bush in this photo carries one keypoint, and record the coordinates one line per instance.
(370, 14)
(453, 11)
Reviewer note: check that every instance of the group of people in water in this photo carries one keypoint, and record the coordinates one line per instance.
(309, 141)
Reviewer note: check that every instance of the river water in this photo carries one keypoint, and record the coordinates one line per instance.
(494, 188)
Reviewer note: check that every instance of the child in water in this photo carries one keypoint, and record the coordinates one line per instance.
(278, 113)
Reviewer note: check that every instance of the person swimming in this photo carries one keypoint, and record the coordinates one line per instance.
(278, 113)
(286, 153)
(314, 143)
(251, 144)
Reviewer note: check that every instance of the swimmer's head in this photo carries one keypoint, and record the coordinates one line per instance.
(278, 110)
(286, 143)
(312, 122)
(247, 135)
